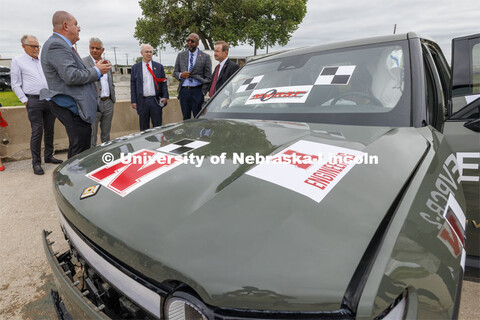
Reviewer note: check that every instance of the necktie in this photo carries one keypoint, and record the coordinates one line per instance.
(190, 67)
(214, 81)
(155, 79)
(74, 50)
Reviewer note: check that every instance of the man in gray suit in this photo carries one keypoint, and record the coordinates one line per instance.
(71, 84)
(193, 69)
(105, 93)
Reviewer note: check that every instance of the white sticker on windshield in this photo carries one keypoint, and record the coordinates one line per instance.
(249, 84)
(296, 94)
(339, 75)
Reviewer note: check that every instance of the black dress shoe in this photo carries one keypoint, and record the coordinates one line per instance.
(37, 169)
(52, 160)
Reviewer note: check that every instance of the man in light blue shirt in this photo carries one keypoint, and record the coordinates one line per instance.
(193, 69)
(71, 85)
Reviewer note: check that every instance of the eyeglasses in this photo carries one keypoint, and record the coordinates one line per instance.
(35, 47)
(190, 40)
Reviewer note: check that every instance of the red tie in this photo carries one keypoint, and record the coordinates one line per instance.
(155, 79)
(214, 82)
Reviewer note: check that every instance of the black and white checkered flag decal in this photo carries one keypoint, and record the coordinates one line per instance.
(183, 146)
(249, 84)
(335, 75)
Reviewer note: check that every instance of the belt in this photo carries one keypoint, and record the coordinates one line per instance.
(104, 98)
(188, 87)
(33, 96)
(148, 97)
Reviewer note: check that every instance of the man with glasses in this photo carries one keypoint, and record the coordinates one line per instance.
(148, 89)
(71, 85)
(27, 81)
(193, 69)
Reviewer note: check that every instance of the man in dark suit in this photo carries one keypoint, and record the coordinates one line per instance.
(192, 68)
(148, 89)
(224, 70)
(71, 85)
(105, 93)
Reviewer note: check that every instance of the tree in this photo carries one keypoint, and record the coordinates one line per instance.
(256, 22)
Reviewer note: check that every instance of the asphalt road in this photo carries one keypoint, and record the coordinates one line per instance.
(27, 207)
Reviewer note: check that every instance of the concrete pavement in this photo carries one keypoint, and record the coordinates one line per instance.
(27, 207)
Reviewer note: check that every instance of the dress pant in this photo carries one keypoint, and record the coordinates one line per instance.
(191, 100)
(149, 109)
(104, 118)
(42, 122)
(79, 132)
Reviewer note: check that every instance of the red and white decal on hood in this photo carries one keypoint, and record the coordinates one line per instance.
(309, 168)
(452, 233)
(122, 177)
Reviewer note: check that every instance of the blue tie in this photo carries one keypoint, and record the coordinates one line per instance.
(190, 68)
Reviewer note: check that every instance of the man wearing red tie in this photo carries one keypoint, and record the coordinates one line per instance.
(224, 70)
(148, 88)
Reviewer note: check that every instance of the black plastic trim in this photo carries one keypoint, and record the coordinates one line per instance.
(59, 306)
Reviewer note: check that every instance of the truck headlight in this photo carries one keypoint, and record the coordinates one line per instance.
(183, 306)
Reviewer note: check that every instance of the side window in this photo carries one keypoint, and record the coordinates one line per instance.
(443, 70)
(429, 94)
(465, 71)
(476, 68)
(434, 91)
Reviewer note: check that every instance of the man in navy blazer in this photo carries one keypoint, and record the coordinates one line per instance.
(224, 70)
(192, 68)
(148, 89)
(71, 85)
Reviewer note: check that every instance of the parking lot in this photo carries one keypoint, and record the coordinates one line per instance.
(26, 208)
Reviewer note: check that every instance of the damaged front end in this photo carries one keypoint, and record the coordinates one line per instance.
(103, 292)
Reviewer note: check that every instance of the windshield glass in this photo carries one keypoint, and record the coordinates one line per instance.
(363, 85)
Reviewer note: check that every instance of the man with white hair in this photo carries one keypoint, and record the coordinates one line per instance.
(105, 92)
(27, 81)
(148, 89)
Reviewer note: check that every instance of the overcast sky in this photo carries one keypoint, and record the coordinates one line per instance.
(113, 21)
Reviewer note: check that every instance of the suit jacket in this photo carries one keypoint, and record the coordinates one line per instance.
(66, 74)
(88, 61)
(201, 70)
(136, 83)
(227, 71)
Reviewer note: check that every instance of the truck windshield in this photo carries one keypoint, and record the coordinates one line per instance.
(362, 85)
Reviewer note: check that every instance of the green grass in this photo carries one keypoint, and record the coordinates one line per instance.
(476, 83)
(8, 99)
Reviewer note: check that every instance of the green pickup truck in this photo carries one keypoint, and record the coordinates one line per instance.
(339, 181)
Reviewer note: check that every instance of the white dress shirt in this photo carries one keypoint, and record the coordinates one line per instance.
(221, 66)
(148, 85)
(104, 81)
(27, 76)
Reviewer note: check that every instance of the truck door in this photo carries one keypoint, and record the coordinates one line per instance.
(461, 130)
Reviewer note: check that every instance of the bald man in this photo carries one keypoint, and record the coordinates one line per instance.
(71, 85)
(192, 68)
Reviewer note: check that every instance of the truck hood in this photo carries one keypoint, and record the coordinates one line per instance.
(251, 235)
